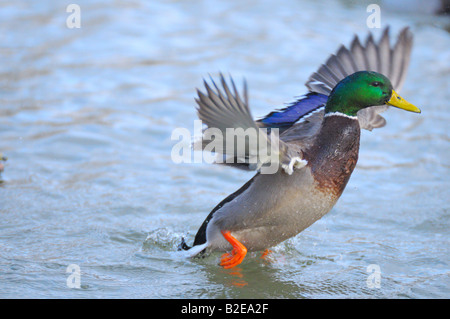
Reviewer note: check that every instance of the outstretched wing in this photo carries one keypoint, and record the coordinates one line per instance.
(382, 57)
(379, 57)
(235, 137)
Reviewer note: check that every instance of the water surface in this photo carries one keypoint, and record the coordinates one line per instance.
(86, 117)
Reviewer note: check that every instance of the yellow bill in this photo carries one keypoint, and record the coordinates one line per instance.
(397, 101)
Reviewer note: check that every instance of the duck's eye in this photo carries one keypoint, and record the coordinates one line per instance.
(375, 84)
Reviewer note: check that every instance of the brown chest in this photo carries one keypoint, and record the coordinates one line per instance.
(334, 154)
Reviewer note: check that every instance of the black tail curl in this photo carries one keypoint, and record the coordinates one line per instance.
(183, 245)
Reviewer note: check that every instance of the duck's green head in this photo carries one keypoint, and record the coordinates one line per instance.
(363, 89)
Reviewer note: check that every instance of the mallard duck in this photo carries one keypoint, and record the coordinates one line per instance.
(317, 146)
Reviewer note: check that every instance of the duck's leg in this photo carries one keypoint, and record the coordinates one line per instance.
(235, 257)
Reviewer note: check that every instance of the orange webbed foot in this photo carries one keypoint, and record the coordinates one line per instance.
(236, 256)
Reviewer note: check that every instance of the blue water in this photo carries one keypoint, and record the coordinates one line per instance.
(86, 116)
